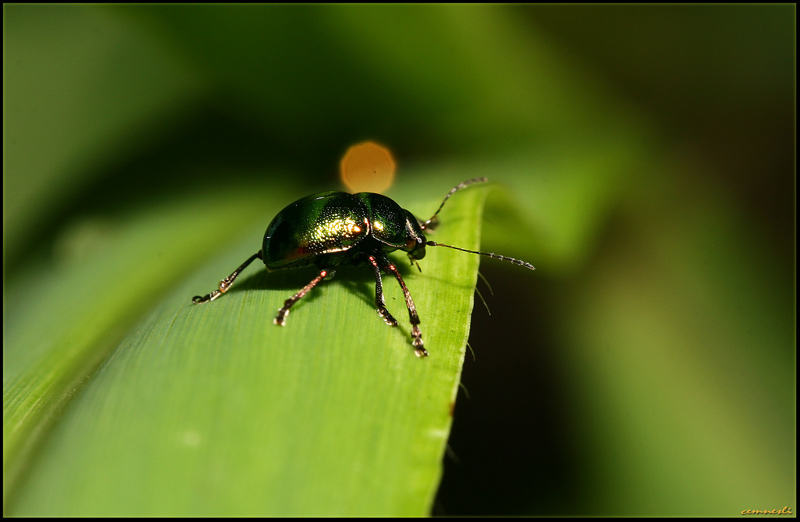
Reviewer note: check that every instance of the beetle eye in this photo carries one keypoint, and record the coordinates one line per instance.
(415, 243)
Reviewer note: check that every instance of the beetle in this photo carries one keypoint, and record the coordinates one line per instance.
(334, 228)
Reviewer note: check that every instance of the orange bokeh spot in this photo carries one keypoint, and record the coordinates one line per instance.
(367, 167)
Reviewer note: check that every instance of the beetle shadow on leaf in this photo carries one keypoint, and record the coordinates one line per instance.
(358, 280)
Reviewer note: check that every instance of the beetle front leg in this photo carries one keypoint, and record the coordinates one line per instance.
(280, 319)
(416, 333)
(380, 304)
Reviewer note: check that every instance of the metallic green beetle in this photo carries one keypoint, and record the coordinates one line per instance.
(332, 228)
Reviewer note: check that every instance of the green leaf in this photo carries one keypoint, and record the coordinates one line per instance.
(106, 114)
(649, 359)
(212, 409)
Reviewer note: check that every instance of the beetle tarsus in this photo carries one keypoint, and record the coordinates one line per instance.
(280, 319)
(208, 297)
(419, 348)
(387, 317)
(226, 283)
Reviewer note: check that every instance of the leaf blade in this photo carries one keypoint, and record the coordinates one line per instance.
(212, 409)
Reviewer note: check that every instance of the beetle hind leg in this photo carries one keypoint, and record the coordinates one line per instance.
(280, 319)
(226, 283)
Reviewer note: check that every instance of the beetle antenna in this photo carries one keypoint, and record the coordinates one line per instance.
(455, 189)
(487, 254)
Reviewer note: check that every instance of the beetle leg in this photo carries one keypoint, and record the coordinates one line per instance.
(416, 333)
(226, 283)
(280, 319)
(379, 302)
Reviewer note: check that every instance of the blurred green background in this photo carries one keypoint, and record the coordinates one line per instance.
(646, 368)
